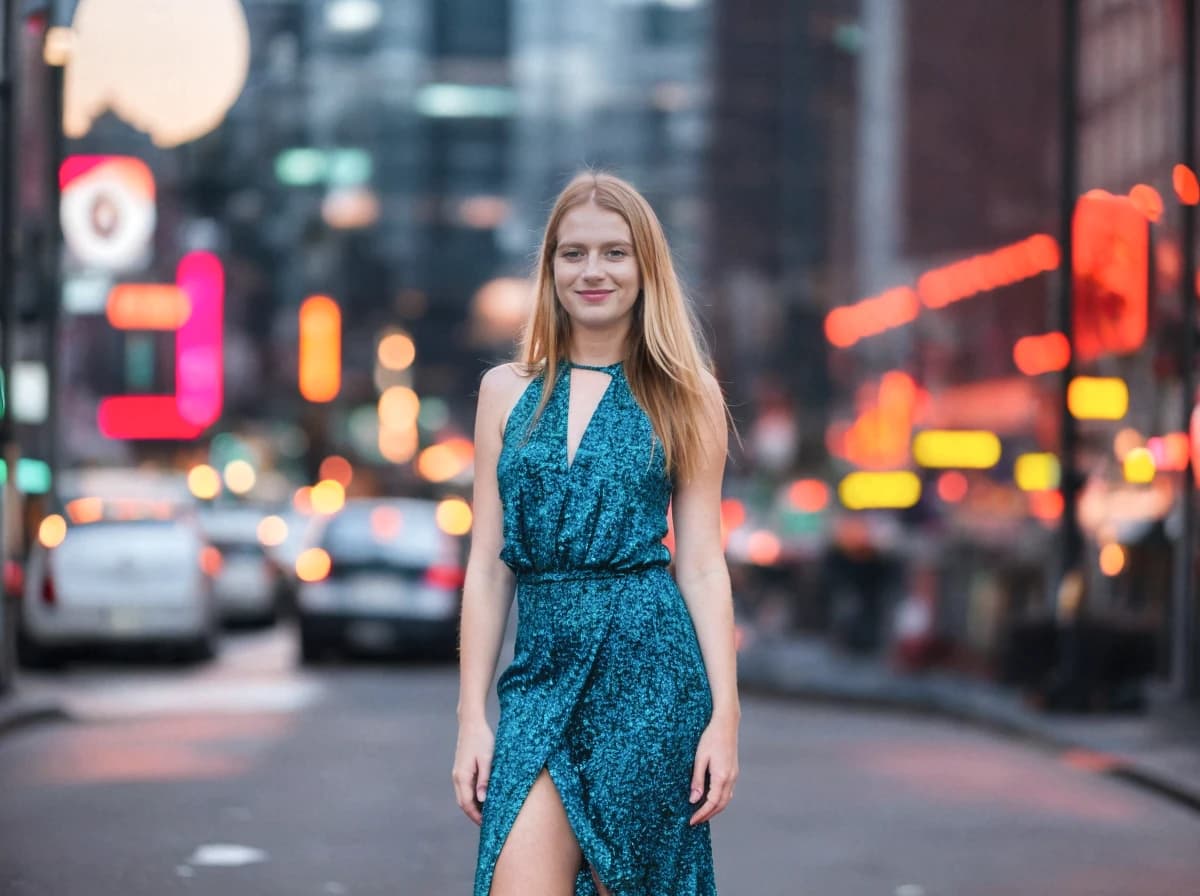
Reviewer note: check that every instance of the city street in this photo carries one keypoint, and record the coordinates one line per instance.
(249, 776)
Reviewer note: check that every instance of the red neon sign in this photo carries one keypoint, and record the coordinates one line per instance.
(198, 395)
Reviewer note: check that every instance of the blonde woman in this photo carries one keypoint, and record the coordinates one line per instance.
(617, 737)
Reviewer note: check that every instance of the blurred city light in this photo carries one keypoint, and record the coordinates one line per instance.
(1037, 472)
(880, 436)
(967, 449)
(338, 469)
(952, 486)
(85, 510)
(1097, 398)
(982, 273)
(328, 497)
(1148, 201)
(465, 101)
(147, 306)
(272, 531)
(320, 372)
(499, 310)
(107, 210)
(446, 460)
(60, 41)
(34, 476)
(808, 495)
(350, 208)
(847, 325)
(454, 516)
(1170, 451)
(52, 531)
(1187, 188)
(398, 444)
(204, 482)
(1139, 466)
(398, 408)
(240, 476)
(1112, 559)
(211, 561)
(1046, 506)
(386, 523)
(302, 500)
(1125, 441)
(396, 351)
(1111, 276)
(171, 76)
(763, 547)
(30, 393)
(313, 565)
(353, 16)
(1046, 353)
(873, 490)
(733, 514)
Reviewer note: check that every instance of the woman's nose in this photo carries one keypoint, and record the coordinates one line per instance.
(592, 268)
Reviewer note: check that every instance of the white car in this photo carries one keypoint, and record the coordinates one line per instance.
(248, 582)
(119, 582)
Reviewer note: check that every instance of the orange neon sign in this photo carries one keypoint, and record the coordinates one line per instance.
(1045, 353)
(1111, 277)
(982, 273)
(148, 306)
(886, 311)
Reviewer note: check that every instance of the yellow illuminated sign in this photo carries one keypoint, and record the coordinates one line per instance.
(1037, 472)
(1097, 398)
(969, 449)
(869, 490)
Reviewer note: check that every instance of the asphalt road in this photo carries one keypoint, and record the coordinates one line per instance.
(247, 776)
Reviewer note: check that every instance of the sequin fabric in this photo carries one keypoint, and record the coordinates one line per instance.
(607, 688)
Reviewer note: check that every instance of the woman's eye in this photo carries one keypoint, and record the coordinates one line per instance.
(571, 253)
(617, 253)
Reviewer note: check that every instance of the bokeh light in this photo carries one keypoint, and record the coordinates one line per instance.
(397, 351)
(454, 516)
(328, 497)
(204, 482)
(240, 476)
(272, 531)
(313, 565)
(338, 469)
(1112, 559)
(53, 531)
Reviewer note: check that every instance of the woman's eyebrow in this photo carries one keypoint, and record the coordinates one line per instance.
(577, 244)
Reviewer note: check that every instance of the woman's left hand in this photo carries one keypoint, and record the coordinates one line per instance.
(716, 756)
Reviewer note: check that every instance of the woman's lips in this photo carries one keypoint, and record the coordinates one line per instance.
(594, 295)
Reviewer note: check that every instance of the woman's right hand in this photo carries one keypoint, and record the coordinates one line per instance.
(472, 767)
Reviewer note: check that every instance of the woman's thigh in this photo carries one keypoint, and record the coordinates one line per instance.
(541, 855)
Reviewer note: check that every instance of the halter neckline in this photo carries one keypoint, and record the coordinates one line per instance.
(603, 368)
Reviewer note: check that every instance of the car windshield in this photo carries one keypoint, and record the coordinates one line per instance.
(401, 532)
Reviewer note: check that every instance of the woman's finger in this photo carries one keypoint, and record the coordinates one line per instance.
(699, 770)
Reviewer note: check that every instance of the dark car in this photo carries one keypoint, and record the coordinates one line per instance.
(383, 578)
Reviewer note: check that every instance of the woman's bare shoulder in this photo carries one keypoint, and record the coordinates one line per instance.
(504, 379)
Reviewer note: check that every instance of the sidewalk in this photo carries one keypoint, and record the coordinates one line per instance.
(19, 709)
(1158, 749)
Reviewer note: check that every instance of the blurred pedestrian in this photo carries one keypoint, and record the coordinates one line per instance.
(617, 737)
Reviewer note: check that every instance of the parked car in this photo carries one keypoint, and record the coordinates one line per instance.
(382, 577)
(248, 584)
(123, 581)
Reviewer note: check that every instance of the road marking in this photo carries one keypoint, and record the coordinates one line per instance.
(227, 855)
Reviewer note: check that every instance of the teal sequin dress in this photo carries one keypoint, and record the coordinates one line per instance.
(607, 688)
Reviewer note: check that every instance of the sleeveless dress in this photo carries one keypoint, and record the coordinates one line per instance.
(607, 687)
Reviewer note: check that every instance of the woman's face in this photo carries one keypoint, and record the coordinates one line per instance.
(596, 275)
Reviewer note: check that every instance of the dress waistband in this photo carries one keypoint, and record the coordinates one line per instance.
(555, 576)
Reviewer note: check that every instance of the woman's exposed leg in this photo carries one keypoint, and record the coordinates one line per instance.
(541, 855)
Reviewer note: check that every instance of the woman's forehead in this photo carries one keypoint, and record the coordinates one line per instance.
(590, 224)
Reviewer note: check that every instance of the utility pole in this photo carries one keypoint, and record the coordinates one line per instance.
(9, 37)
(1185, 665)
(1070, 543)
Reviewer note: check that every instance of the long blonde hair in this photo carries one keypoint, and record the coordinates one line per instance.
(665, 355)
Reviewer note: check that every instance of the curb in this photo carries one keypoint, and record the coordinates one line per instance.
(17, 712)
(945, 698)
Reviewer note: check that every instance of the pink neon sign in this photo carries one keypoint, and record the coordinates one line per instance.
(199, 354)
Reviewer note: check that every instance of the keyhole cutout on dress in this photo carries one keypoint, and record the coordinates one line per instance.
(585, 392)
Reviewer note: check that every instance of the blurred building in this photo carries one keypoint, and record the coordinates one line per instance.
(777, 181)
(621, 85)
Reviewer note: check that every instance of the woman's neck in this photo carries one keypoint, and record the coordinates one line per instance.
(598, 349)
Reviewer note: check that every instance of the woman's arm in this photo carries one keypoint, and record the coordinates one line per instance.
(487, 599)
(703, 580)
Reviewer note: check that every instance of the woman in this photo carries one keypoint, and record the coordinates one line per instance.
(617, 738)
